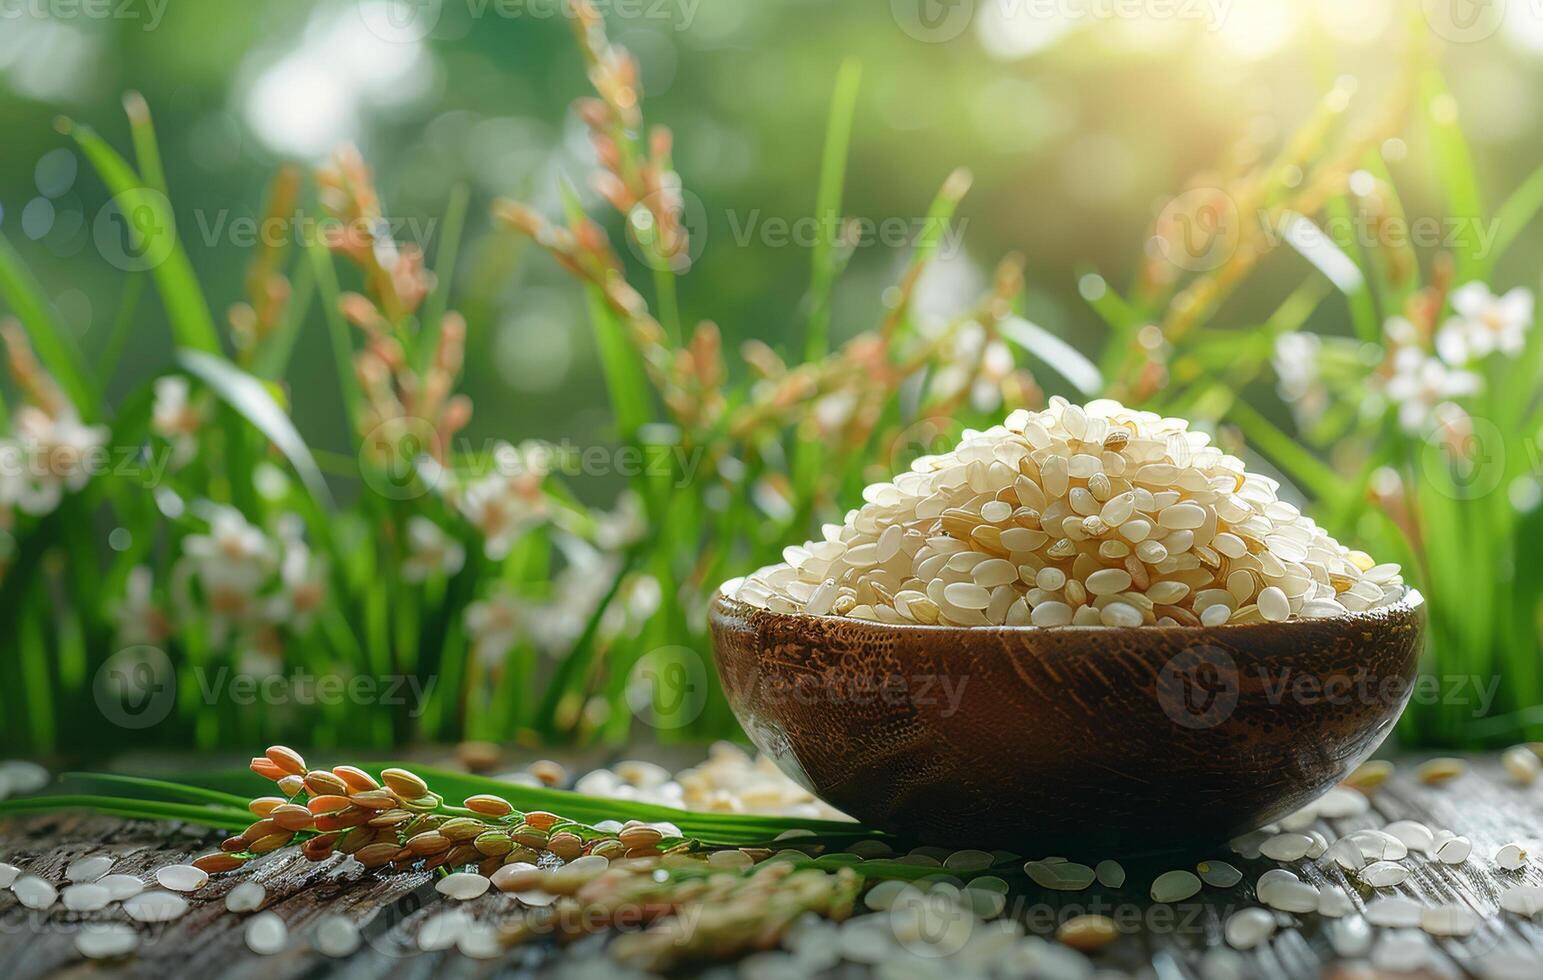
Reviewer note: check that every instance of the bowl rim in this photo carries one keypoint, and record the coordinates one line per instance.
(1412, 602)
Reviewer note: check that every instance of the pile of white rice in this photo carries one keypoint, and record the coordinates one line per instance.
(1087, 516)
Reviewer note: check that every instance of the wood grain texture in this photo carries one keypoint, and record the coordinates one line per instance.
(1088, 740)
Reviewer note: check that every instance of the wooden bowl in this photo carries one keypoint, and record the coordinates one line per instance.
(1086, 740)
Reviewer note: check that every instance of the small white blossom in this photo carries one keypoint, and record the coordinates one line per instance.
(493, 625)
(615, 529)
(139, 620)
(1485, 323)
(302, 579)
(49, 455)
(231, 564)
(506, 503)
(1297, 366)
(1421, 382)
(430, 551)
(233, 542)
(174, 418)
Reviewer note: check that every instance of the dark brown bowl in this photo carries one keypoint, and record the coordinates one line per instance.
(1069, 740)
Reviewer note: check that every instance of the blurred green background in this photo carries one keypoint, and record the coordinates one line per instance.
(1077, 125)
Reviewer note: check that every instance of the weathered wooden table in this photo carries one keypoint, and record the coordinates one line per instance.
(1157, 941)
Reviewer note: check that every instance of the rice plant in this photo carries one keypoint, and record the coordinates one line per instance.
(182, 565)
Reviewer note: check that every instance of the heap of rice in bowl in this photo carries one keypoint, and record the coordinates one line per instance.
(1094, 515)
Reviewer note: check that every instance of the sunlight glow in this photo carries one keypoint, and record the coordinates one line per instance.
(347, 61)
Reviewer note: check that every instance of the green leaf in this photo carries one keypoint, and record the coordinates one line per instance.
(146, 148)
(1065, 359)
(1304, 469)
(444, 272)
(118, 335)
(827, 206)
(54, 344)
(273, 357)
(1517, 213)
(1455, 172)
(225, 818)
(249, 397)
(619, 358)
(337, 332)
(140, 787)
(1345, 267)
(151, 227)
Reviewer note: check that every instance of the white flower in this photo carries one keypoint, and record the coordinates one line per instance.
(1421, 382)
(49, 456)
(493, 625)
(430, 551)
(1485, 323)
(1297, 366)
(996, 363)
(504, 504)
(302, 578)
(232, 542)
(232, 564)
(139, 621)
(616, 529)
(174, 419)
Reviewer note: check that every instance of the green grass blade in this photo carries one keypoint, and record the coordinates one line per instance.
(337, 332)
(620, 361)
(36, 676)
(252, 400)
(150, 225)
(147, 149)
(140, 787)
(1455, 171)
(1515, 214)
(273, 358)
(827, 206)
(54, 344)
(1062, 357)
(118, 335)
(1358, 295)
(450, 229)
(1301, 466)
(225, 818)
